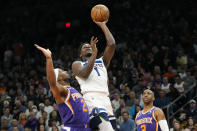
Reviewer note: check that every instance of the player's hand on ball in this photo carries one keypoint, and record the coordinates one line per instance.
(46, 52)
(93, 42)
(101, 23)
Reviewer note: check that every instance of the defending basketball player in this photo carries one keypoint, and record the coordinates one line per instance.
(71, 105)
(150, 118)
(91, 74)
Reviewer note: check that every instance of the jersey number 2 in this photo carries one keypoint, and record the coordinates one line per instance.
(84, 109)
(96, 69)
(143, 127)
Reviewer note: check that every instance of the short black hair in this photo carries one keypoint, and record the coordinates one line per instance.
(125, 112)
(81, 45)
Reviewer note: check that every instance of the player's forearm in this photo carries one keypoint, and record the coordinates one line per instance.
(88, 68)
(108, 35)
(50, 72)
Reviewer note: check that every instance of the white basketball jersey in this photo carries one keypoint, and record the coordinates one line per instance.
(97, 80)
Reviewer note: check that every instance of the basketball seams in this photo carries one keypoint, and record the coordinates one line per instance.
(100, 13)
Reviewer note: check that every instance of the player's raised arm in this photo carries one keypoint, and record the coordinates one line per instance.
(110, 49)
(84, 71)
(56, 90)
(160, 117)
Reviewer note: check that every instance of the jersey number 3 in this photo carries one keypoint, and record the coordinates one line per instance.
(96, 69)
(84, 109)
(143, 127)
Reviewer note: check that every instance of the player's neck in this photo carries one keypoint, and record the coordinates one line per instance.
(64, 84)
(147, 107)
(86, 58)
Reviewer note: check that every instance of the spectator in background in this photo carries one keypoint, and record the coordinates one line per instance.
(41, 110)
(162, 101)
(181, 60)
(48, 108)
(135, 108)
(20, 106)
(190, 124)
(15, 128)
(5, 122)
(127, 124)
(116, 101)
(192, 111)
(165, 85)
(55, 128)
(133, 81)
(53, 122)
(45, 117)
(176, 126)
(179, 84)
(119, 110)
(41, 128)
(195, 127)
(42, 122)
(189, 82)
(138, 89)
(15, 124)
(130, 101)
(29, 107)
(169, 73)
(55, 116)
(32, 121)
(6, 113)
(182, 73)
(22, 119)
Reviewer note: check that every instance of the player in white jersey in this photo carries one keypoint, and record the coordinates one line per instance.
(91, 74)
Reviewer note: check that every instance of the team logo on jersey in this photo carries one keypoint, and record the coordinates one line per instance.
(144, 120)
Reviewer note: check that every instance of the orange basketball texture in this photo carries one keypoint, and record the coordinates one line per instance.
(100, 13)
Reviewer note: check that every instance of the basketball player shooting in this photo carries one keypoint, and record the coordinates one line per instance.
(71, 105)
(150, 118)
(91, 74)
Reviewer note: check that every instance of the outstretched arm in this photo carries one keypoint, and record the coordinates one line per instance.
(160, 117)
(56, 90)
(110, 49)
(84, 71)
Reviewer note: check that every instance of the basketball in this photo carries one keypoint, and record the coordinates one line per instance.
(100, 13)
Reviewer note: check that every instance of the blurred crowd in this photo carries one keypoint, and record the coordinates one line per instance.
(156, 49)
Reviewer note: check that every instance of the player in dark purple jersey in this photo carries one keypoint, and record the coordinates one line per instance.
(71, 105)
(150, 118)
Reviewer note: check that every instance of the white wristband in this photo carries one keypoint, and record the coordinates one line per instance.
(163, 125)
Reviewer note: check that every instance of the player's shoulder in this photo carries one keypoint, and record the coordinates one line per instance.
(100, 59)
(76, 63)
(158, 111)
(137, 115)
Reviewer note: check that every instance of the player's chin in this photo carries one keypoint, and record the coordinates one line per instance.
(89, 54)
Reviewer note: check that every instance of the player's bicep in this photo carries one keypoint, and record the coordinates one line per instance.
(159, 115)
(108, 54)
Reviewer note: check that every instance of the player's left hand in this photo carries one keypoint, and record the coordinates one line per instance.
(46, 52)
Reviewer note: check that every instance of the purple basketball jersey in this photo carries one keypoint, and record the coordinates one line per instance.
(146, 121)
(74, 111)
